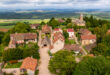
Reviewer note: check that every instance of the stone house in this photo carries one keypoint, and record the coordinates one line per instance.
(29, 65)
(46, 35)
(21, 38)
(88, 39)
(72, 47)
(34, 26)
(57, 42)
(45, 42)
(71, 33)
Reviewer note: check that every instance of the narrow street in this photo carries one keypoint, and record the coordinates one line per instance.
(77, 42)
(44, 60)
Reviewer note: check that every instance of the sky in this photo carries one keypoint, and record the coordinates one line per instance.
(39, 4)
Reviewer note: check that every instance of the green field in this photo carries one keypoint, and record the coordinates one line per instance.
(9, 23)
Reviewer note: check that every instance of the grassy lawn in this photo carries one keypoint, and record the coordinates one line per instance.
(16, 65)
(72, 41)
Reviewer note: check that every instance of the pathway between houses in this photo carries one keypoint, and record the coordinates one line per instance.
(44, 60)
(77, 42)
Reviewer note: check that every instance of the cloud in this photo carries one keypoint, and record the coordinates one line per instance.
(84, 4)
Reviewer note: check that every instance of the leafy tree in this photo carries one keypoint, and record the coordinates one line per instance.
(100, 49)
(6, 39)
(21, 28)
(62, 63)
(68, 20)
(1, 36)
(66, 35)
(93, 66)
(21, 52)
(103, 48)
(12, 54)
(31, 50)
(69, 25)
(54, 23)
(42, 23)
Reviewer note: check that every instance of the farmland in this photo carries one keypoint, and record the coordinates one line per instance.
(9, 23)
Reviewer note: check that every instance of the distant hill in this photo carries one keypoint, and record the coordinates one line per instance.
(57, 13)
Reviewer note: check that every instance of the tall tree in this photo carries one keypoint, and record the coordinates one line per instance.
(93, 66)
(62, 63)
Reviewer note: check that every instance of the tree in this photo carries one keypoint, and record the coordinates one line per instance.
(68, 20)
(93, 66)
(62, 63)
(31, 50)
(54, 23)
(21, 28)
(66, 35)
(6, 39)
(42, 23)
(1, 36)
(69, 25)
(100, 49)
(12, 54)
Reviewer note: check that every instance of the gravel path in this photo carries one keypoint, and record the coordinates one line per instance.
(44, 60)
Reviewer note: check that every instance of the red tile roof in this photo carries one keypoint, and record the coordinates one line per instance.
(88, 37)
(84, 31)
(70, 30)
(56, 29)
(46, 29)
(74, 47)
(58, 36)
(61, 20)
(108, 32)
(29, 63)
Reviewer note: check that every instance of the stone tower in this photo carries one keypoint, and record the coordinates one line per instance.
(81, 17)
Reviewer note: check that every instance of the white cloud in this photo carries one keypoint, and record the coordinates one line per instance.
(54, 3)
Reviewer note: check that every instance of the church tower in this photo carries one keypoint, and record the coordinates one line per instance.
(81, 17)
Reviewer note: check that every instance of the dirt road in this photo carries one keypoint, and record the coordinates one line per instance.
(44, 60)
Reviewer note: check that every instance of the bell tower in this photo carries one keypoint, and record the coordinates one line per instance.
(81, 17)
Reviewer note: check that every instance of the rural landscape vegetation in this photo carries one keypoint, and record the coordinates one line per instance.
(54, 41)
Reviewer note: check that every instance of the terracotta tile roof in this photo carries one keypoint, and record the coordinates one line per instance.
(84, 32)
(61, 20)
(70, 30)
(23, 36)
(88, 37)
(29, 63)
(58, 36)
(74, 47)
(108, 32)
(46, 29)
(56, 29)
